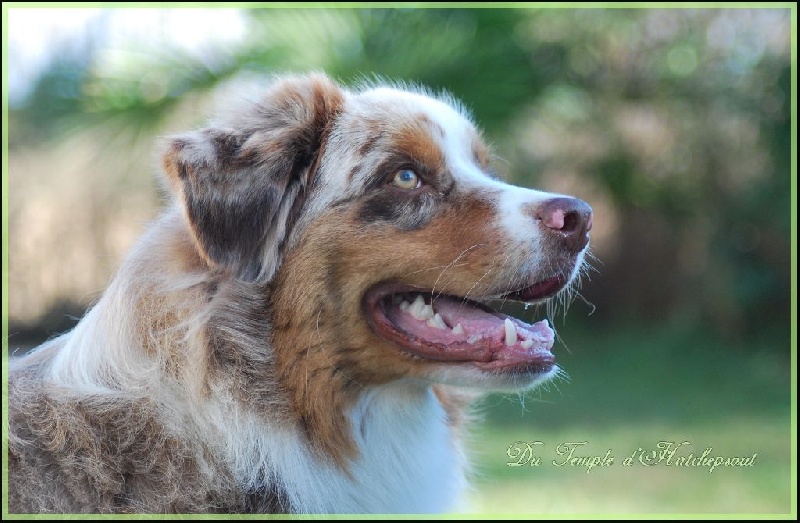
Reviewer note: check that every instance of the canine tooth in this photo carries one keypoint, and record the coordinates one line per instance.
(437, 322)
(458, 329)
(526, 344)
(405, 306)
(511, 332)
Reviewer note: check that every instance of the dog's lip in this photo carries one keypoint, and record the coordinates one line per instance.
(540, 290)
(485, 347)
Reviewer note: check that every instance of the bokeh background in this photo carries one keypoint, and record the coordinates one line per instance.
(675, 124)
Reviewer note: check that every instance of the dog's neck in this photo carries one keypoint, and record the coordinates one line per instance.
(408, 459)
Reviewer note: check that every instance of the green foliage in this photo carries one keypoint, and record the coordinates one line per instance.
(674, 121)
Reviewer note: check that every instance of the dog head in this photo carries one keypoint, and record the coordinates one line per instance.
(375, 224)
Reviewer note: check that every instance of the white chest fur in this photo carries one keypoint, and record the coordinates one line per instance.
(409, 460)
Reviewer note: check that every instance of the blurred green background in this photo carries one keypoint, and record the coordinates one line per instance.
(674, 124)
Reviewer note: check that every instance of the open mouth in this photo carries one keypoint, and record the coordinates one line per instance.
(452, 329)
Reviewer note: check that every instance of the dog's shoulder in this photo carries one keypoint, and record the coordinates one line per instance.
(71, 451)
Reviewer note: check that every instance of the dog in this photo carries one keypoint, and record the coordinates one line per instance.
(305, 326)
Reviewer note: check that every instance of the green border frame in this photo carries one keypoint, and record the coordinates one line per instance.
(792, 515)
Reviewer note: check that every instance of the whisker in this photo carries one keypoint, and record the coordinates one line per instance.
(435, 268)
(587, 302)
(465, 251)
(464, 298)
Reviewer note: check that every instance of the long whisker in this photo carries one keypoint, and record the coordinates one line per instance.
(465, 251)
(464, 298)
(450, 265)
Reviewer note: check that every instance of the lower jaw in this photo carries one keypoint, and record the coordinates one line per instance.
(509, 379)
(539, 367)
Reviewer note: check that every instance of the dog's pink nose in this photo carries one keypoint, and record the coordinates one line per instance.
(570, 218)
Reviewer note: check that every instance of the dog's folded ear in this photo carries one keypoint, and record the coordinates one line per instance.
(242, 182)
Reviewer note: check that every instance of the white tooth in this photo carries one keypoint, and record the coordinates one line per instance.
(511, 332)
(526, 344)
(420, 310)
(437, 322)
(416, 306)
(427, 312)
(419, 301)
(458, 329)
(405, 306)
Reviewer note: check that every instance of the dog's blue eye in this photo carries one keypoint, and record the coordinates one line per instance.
(406, 179)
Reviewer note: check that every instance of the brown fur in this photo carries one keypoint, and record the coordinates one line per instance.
(316, 306)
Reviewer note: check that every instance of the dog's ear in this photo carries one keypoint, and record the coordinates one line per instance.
(242, 183)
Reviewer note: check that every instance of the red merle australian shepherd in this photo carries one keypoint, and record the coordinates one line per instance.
(303, 329)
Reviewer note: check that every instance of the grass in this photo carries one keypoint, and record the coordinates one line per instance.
(632, 390)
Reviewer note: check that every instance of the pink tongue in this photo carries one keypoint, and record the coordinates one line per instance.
(476, 322)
